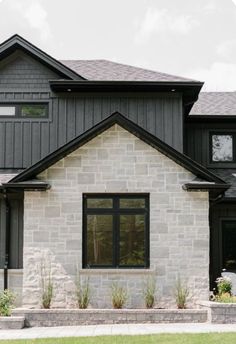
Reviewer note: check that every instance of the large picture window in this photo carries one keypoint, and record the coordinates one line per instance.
(116, 231)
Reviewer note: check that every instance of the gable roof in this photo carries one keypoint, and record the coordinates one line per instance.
(108, 70)
(18, 42)
(117, 118)
(215, 104)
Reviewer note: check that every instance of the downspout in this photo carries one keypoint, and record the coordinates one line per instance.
(7, 239)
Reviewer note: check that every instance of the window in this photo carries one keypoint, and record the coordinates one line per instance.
(229, 245)
(24, 110)
(222, 147)
(116, 231)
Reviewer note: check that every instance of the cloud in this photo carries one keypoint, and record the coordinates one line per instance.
(234, 1)
(158, 21)
(34, 14)
(218, 77)
(227, 49)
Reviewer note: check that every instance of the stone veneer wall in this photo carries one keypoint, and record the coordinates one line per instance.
(116, 161)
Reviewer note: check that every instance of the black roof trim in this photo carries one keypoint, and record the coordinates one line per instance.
(205, 186)
(30, 185)
(210, 118)
(75, 85)
(117, 118)
(18, 42)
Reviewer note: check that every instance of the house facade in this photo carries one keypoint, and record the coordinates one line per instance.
(114, 173)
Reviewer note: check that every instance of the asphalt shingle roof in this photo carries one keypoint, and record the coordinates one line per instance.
(215, 103)
(229, 176)
(108, 70)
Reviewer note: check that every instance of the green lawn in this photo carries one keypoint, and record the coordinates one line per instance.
(213, 338)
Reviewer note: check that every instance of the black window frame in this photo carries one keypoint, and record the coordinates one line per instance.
(115, 211)
(223, 133)
(18, 108)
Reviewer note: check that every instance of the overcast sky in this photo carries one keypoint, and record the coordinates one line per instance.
(191, 38)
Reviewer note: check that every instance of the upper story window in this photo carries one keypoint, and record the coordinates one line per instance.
(222, 147)
(25, 110)
(116, 231)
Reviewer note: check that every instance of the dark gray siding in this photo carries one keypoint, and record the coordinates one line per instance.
(197, 140)
(16, 231)
(25, 141)
(21, 72)
(218, 212)
(2, 232)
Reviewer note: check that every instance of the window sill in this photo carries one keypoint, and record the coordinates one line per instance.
(117, 271)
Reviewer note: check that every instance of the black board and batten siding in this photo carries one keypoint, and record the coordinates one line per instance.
(25, 141)
(16, 231)
(197, 141)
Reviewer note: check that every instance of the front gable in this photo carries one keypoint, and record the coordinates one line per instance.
(16, 42)
(207, 179)
(20, 72)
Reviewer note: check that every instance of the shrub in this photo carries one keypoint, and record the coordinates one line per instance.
(224, 285)
(225, 298)
(7, 299)
(118, 296)
(181, 294)
(82, 293)
(46, 284)
(149, 293)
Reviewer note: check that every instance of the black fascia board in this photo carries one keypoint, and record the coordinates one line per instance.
(17, 42)
(31, 185)
(117, 118)
(210, 118)
(205, 186)
(123, 85)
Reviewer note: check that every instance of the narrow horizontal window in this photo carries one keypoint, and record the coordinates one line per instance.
(7, 110)
(26, 110)
(116, 231)
(33, 110)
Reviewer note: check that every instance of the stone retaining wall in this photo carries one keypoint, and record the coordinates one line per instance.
(73, 317)
(12, 323)
(220, 313)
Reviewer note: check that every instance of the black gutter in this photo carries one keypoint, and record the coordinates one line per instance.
(26, 186)
(91, 85)
(205, 186)
(7, 240)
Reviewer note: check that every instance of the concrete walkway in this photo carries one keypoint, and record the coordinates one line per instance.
(122, 329)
